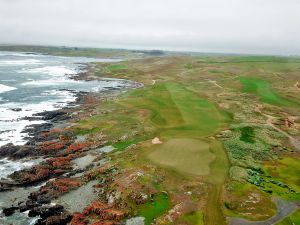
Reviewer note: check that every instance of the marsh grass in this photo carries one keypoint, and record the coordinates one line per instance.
(154, 208)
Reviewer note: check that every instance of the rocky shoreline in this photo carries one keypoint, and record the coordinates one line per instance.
(65, 163)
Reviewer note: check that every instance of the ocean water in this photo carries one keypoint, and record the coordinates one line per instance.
(32, 83)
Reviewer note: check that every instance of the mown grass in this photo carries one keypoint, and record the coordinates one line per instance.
(116, 67)
(193, 218)
(199, 115)
(189, 156)
(264, 91)
(175, 110)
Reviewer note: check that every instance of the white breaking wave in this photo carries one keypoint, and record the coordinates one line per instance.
(20, 62)
(5, 88)
(9, 80)
(7, 166)
(19, 54)
(10, 118)
(51, 70)
(50, 82)
(56, 75)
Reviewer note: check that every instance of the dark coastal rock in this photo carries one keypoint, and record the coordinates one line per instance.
(24, 151)
(61, 219)
(50, 215)
(16, 109)
(9, 211)
(46, 211)
(53, 116)
(32, 203)
(5, 188)
(7, 185)
(17, 152)
(8, 150)
(36, 129)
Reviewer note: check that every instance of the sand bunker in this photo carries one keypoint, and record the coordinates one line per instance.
(156, 141)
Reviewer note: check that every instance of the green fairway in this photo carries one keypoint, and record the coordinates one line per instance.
(116, 67)
(199, 115)
(179, 112)
(263, 89)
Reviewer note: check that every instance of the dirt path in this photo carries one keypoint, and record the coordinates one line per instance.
(215, 83)
(284, 209)
(293, 141)
(269, 121)
(296, 85)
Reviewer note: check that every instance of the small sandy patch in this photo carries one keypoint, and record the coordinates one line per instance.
(156, 141)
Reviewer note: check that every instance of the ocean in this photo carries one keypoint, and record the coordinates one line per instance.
(32, 83)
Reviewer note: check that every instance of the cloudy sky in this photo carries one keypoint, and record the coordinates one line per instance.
(234, 26)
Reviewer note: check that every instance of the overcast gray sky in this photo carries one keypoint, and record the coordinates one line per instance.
(235, 26)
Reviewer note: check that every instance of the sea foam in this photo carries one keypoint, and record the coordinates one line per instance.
(51, 70)
(20, 62)
(5, 88)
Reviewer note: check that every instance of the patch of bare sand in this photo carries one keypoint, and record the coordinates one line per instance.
(296, 85)
(156, 141)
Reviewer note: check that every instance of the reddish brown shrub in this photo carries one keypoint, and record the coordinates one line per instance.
(102, 223)
(78, 146)
(61, 162)
(63, 185)
(79, 219)
(52, 146)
